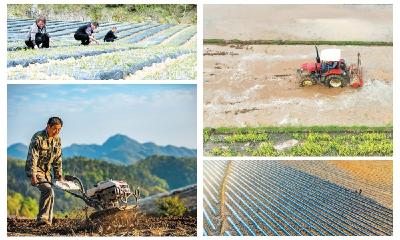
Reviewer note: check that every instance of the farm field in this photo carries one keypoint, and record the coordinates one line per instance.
(142, 220)
(165, 51)
(281, 198)
(256, 85)
(123, 223)
(373, 177)
(298, 141)
(298, 22)
(253, 103)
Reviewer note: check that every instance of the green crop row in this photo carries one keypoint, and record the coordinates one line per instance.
(367, 148)
(295, 42)
(339, 148)
(183, 68)
(315, 137)
(246, 138)
(310, 144)
(225, 152)
(297, 129)
(66, 50)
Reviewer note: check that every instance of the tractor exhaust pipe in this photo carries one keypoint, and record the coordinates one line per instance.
(317, 58)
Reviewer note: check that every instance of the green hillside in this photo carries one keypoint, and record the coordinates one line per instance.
(154, 174)
(163, 13)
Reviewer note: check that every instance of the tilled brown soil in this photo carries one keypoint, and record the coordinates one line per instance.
(120, 223)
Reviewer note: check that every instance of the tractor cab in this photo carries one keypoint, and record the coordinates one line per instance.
(331, 62)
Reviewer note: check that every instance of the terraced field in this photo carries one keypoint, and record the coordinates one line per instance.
(274, 198)
(142, 51)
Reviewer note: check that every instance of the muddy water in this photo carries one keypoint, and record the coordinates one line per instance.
(257, 86)
(299, 22)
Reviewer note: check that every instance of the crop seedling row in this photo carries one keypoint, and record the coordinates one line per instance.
(261, 142)
(138, 46)
(270, 198)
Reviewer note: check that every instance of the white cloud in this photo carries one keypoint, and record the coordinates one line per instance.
(41, 95)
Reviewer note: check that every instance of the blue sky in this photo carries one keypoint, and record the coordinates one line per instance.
(159, 113)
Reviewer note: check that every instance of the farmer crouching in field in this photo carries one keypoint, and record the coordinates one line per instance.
(110, 36)
(37, 36)
(85, 33)
(43, 154)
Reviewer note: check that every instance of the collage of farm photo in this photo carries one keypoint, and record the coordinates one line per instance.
(199, 119)
(316, 82)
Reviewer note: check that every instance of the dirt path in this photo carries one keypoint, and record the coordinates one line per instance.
(256, 86)
(299, 22)
(222, 208)
(122, 223)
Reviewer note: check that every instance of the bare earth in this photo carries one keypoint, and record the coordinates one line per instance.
(122, 223)
(142, 221)
(299, 22)
(256, 86)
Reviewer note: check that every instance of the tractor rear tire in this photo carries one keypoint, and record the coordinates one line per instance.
(335, 81)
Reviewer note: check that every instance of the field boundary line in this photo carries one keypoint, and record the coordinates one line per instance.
(224, 42)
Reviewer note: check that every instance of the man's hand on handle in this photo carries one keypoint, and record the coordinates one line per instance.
(60, 178)
(34, 180)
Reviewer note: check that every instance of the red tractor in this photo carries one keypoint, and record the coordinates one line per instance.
(331, 70)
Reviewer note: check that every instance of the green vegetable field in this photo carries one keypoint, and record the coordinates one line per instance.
(144, 50)
(299, 141)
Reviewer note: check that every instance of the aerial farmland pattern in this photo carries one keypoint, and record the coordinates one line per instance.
(283, 198)
(255, 103)
(146, 50)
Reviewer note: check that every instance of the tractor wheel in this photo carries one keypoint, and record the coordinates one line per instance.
(335, 81)
(307, 81)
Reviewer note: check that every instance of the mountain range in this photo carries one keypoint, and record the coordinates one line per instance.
(118, 149)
